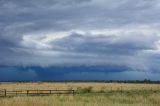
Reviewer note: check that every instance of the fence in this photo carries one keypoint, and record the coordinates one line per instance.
(4, 92)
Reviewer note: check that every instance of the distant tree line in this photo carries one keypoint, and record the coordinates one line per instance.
(147, 81)
(109, 81)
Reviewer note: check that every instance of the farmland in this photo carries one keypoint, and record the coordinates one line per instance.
(87, 94)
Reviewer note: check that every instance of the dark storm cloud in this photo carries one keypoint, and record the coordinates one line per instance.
(73, 73)
(50, 33)
(56, 73)
(16, 74)
(86, 49)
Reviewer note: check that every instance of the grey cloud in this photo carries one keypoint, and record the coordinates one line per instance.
(19, 18)
(106, 44)
(89, 16)
(85, 49)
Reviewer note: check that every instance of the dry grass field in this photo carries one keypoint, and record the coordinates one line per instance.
(103, 94)
(69, 85)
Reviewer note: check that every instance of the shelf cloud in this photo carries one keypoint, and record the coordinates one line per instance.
(74, 33)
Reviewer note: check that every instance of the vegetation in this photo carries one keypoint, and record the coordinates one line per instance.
(87, 94)
(84, 90)
(145, 81)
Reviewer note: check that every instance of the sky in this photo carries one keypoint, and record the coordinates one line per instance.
(79, 40)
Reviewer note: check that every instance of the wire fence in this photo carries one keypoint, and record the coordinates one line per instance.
(5, 93)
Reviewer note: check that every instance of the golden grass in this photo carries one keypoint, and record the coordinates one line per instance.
(112, 99)
(81, 100)
(96, 86)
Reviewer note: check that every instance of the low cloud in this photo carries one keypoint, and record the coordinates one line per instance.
(80, 32)
(16, 74)
(134, 50)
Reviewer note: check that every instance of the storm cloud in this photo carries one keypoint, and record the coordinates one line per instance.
(74, 33)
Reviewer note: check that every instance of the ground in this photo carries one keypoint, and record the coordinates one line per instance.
(100, 94)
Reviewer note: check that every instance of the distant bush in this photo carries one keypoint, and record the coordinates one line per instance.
(84, 90)
(102, 90)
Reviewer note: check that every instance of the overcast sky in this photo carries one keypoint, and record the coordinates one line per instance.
(79, 39)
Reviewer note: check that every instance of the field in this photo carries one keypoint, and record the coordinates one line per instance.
(87, 94)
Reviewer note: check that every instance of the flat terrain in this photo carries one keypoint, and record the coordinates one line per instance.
(88, 94)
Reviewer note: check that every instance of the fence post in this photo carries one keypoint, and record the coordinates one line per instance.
(50, 91)
(5, 92)
(27, 92)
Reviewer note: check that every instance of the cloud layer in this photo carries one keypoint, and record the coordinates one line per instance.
(80, 32)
